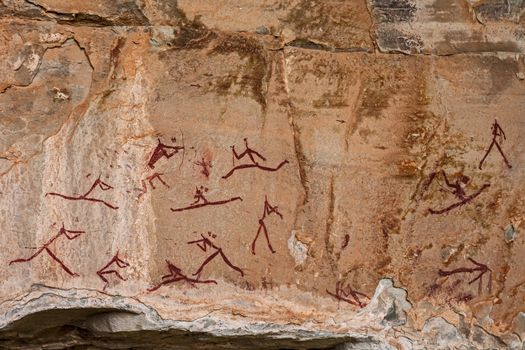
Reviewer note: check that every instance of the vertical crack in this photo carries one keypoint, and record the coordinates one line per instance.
(298, 147)
(329, 226)
(84, 51)
(371, 28)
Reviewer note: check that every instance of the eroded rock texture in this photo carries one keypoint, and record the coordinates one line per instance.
(262, 174)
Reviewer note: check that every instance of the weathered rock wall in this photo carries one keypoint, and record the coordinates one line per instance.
(262, 174)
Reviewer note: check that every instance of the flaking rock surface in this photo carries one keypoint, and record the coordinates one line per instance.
(262, 174)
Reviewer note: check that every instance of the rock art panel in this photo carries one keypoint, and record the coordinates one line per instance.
(286, 174)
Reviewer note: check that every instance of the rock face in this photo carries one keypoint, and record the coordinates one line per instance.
(262, 174)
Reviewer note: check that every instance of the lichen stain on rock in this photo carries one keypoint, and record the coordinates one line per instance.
(451, 11)
(253, 76)
(339, 24)
(395, 40)
(393, 10)
(498, 10)
(191, 35)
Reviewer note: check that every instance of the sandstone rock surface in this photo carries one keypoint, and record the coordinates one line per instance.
(268, 174)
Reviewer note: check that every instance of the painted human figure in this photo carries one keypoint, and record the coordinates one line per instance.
(176, 275)
(163, 150)
(267, 211)
(85, 197)
(69, 234)
(481, 268)
(348, 294)
(457, 189)
(498, 135)
(201, 200)
(150, 179)
(116, 260)
(254, 158)
(248, 151)
(206, 243)
(206, 166)
(199, 195)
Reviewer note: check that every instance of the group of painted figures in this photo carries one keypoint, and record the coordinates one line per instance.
(253, 160)
(347, 294)
(205, 243)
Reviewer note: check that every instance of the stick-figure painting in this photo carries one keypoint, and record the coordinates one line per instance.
(498, 136)
(254, 158)
(479, 268)
(98, 184)
(206, 243)
(267, 211)
(176, 275)
(111, 269)
(456, 188)
(202, 201)
(348, 294)
(164, 151)
(69, 234)
(150, 179)
(205, 167)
